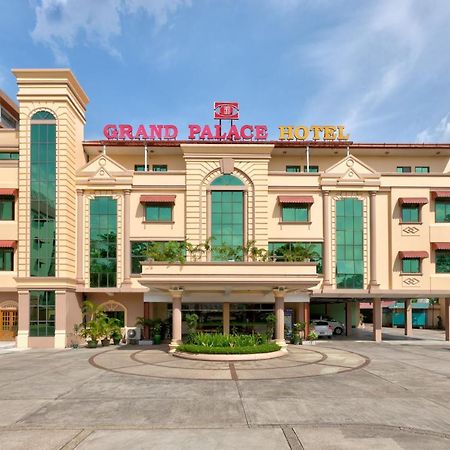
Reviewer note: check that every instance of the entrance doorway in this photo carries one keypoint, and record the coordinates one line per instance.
(8, 329)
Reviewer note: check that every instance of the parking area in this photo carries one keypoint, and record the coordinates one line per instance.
(337, 394)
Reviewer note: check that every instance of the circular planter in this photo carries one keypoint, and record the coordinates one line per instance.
(245, 357)
(92, 344)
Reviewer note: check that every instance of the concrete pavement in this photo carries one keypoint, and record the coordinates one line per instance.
(399, 399)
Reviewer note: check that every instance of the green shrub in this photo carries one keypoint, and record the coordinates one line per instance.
(222, 340)
(262, 348)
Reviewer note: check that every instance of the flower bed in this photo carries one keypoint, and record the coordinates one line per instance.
(247, 350)
(221, 344)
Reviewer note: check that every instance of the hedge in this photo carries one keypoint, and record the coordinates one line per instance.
(263, 348)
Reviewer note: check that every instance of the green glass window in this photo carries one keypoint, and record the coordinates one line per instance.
(6, 208)
(292, 169)
(139, 167)
(442, 210)
(403, 169)
(410, 213)
(227, 180)
(140, 250)
(290, 251)
(6, 259)
(442, 261)
(43, 195)
(158, 212)
(312, 169)
(103, 242)
(349, 244)
(9, 155)
(42, 313)
(159, 167)
(295, 212)
(422, 169)
(411, 265)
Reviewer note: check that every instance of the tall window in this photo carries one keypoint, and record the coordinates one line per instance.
(349, 244)
(442, 210)
(227, 217)
(103, 234)
(43, 194)
(42, 313)
(6, 207)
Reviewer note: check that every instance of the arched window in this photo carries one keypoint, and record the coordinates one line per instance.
(227, 218)
(43, 194)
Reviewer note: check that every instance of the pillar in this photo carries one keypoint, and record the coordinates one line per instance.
(306, 317)
(126, 238)
(326, 239)
(80, 231)
(408, 317)
(60, 319)
(299, 312)
(23, 328)
(279, 314)
(373, 238)
(177, 294)
(348, 318)
(226, 318)
(148, 314)
(377, 319)
(447, 318)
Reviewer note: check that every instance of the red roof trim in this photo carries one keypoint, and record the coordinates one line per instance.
(157, 198)
(308, 199)
(8, 191)
(8, 244)
(440, 194)
(413, 254)
(413, 201)
(441, 245)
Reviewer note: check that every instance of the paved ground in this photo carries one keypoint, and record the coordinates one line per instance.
(394, 395)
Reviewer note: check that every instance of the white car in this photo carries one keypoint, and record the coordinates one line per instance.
(322, 328)
(338, 327)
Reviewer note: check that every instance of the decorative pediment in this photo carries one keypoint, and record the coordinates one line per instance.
(351, 171)
(103, 169)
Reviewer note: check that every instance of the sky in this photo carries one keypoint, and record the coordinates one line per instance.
(381, 68)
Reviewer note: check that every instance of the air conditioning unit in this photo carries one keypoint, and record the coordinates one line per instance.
(133, 335)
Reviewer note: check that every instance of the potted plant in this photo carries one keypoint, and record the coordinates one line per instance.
(298, 332)
(157, 325)
(92, 331)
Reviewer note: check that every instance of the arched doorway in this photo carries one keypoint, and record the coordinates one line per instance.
(8, 320)
(115, 310)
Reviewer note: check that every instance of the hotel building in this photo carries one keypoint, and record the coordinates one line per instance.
(78, 220)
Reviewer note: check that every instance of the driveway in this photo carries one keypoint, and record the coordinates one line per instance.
(339, 394)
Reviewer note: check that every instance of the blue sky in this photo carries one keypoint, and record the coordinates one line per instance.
(380, 67)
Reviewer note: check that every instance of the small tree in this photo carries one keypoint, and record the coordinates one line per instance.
(192, 322)
(271, 321)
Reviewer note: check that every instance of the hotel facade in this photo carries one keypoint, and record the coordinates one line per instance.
(84, 220)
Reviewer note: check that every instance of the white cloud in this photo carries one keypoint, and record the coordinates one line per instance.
(439, 133)
(63, 24)
(378, 52)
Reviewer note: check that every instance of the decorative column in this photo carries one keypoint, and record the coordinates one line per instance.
(348, 318)
(326, 239)
(377, 319)
(226, 318)
(80, 240)
(373, 237)
(306, 317)
(279, 314)
(447, 318)
(177, 295)
(408, 317)
(60, 319)
(23, 329)
(126, 238)
(148, 314)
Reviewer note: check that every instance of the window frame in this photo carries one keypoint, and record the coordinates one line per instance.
(447, 257)
(49, 306)
(410, 260)
(446, 203)
(293, 169)
(407, 206)
(8, 199)
(304, 206)
(404, 171)
(139, 168)
(159, 205)
(422, 167)
(3, 252)
(158, 167)
(314, 167)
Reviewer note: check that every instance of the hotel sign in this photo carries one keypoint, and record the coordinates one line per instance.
(225, 111)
